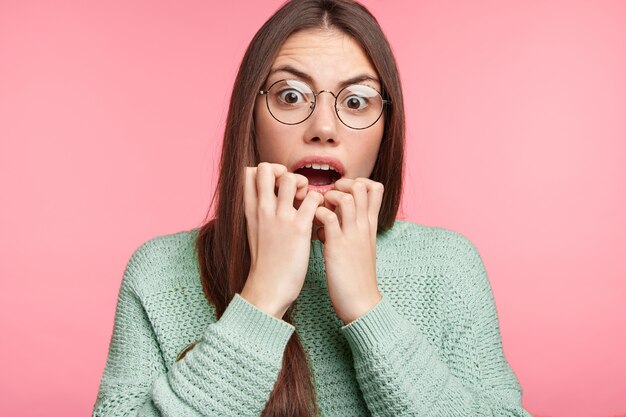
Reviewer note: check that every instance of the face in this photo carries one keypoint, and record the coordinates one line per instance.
(324, 59)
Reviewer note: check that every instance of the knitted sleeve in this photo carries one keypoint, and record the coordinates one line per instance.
(401, 374)
(231, 372)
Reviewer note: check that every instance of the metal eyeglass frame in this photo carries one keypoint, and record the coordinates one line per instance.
(265, 93)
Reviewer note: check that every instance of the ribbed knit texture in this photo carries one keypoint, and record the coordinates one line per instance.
(430, 347)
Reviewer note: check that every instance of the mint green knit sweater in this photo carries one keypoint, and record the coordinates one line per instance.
(430, 347)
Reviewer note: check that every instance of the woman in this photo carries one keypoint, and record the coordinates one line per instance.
(304, 296)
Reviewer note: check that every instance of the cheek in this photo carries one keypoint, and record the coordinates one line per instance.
(370, 151)
(374, 141)
(271, 138)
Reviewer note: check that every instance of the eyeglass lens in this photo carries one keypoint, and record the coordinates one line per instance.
(292, 101)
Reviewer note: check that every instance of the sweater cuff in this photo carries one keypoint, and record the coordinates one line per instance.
(254, 328)
(376, 329)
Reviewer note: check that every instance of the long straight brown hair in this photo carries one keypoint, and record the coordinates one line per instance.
(222, 244)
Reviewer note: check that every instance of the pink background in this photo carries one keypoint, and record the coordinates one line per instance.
(110, 122)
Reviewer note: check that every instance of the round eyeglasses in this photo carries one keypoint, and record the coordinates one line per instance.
(358, 106)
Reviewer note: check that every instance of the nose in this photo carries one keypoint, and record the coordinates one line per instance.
(322, 124)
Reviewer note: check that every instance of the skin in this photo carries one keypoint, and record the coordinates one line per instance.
(345, 218)
(329, 57)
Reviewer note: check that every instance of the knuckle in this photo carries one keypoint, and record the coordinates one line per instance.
(346, 199)
(376, 186)
(315, 196)
(359, 186)
(290, 178)
(279, 169)
(330, 217)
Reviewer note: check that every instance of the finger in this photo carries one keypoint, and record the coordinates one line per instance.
(316, 222)
(278, 170)
(359, 191)
(303, 190)
(375, 198)
(286, 192)
(328, 204)
(266, 182)
(303, 186)
(311, 202)
(250, 203)
(347, 211)
(330, 222)
(375, 191)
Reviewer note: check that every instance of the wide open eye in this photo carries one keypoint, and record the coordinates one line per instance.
(358, 98)
(290, 96)
(290, 93)
(355, 102)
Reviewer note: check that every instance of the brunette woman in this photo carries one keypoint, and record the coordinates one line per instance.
(304, 295)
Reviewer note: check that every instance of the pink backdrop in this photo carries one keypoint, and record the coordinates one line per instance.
(110, 121)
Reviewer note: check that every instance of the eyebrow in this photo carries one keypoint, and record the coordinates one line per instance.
(354, 80)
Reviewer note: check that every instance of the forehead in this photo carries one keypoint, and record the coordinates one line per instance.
(327, 56)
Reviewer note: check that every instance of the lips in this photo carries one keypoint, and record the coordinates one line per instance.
(320, 162)
(320, 170)
(322, 189)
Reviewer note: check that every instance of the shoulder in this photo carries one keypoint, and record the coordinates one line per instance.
(450, 251)
(162, 261)
(164, 247)
(449, 244)
(457, 258)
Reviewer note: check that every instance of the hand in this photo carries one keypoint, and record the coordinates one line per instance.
(279, 235)
(349, 239)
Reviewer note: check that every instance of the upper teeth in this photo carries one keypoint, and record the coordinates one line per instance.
(325, 167)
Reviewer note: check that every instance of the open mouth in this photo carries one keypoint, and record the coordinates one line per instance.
(319, 176)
